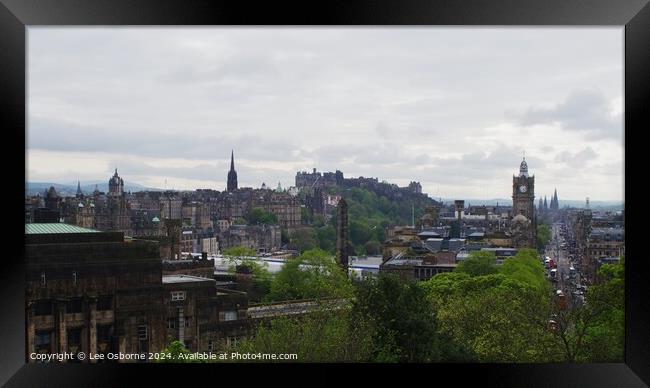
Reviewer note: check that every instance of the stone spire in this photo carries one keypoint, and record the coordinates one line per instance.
(79, 192)
(232, 174)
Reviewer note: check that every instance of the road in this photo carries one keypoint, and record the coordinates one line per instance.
(560, 255)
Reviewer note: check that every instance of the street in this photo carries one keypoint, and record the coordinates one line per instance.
(556, 249)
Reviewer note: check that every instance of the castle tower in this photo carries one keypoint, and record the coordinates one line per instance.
(342, 234)
(232, 174)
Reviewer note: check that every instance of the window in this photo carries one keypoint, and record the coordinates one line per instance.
(42, 278)
(178, 295)
(43, 307)
(230, 316)
(210, 346)
(74, 342)
(171, 323)
(74, 277)
(142, 332)
(232, 341)
(74, 306)
(103, 333)
(188, 320)
(42, 341)
(105, 302)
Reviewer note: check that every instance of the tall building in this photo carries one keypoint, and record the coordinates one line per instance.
(232, 174)
(523, 192)
(79, 192)
(554, 202)
(524, 222)
(115, 185)
(342, 234)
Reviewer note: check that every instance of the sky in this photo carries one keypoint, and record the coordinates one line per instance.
(453, 108)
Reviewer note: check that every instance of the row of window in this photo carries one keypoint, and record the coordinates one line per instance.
(74, 305)
(74, 277)
(43, 338)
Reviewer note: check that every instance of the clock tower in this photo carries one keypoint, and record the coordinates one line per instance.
(523, 193)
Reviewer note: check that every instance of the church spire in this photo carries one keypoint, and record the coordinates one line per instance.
(79, 193)
(232, 174)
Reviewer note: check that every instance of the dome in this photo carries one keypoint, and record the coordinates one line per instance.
(80, 204)
(155, 219)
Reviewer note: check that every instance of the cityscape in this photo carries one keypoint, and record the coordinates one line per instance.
(412, 244)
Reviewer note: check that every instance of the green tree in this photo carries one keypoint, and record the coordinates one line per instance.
(242, 258)
(491, 318)
(526, 267)
(403, 324)
(478, 263)
(372, 247)
(312, 275)
(304, 239)
(261, 216)
(543, 235)
(321, 336)
(595, 331)
(326, 236)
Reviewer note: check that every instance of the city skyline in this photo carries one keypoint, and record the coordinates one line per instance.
(428, 104)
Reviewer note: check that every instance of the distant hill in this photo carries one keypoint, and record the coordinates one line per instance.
(69, 189)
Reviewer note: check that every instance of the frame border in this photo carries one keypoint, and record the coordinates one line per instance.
(17, 15)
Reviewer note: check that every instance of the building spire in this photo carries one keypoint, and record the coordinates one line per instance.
(79, 188)
(232, 174)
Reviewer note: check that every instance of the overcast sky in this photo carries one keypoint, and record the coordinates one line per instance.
(452, 108)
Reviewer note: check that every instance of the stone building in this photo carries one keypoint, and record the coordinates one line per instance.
(285, 207)
(524, 228)
(204, 318)
(97, 292)
(91, 291)
(261, 238)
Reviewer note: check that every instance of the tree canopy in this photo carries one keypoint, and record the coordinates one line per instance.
(478, 263)
(313, 274)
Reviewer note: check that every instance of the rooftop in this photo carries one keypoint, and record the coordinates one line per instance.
(168, 279)
(56, 228)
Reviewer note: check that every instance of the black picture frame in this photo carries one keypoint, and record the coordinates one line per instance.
(16, 15)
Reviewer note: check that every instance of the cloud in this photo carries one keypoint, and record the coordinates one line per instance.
(578, 159)
(583, 110)
(399, 104)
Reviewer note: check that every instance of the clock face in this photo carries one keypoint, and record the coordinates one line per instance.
(523, 188)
